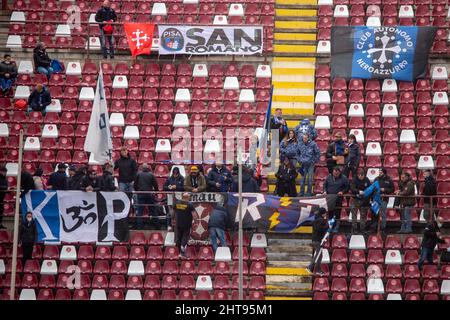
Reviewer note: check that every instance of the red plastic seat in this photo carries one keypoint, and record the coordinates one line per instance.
(394, 286)
(375, 256)
(153, 267)
(152, 282)
(100, 281)
(102, 252)
(134, 282)
(169, 282)
(101, 267)
(339, 255)
(170, 267)
(357, 285)
(412, 286)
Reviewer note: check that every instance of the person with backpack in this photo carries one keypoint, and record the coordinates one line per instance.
(105, 16)
(42, 62)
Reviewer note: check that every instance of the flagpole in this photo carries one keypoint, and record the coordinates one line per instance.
(16, 220)
(240, 244)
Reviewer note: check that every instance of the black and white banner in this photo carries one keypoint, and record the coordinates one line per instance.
(77, 216)
(209, 40)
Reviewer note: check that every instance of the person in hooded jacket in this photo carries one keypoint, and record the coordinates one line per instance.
(335, 149)
(289, 147)
(286, 179)
(353, 158)
(107, 178)
(431, 237)
(39, 99)
(219, 178)
(305, 126)
(216, 226)
(3, 189)
(8, 74)
(27, 236)
(58, 179)
(308, 156)
(74, 182)
(42, 61)
(175, 182)
(249, 183)
(429, 190)
(320, 227)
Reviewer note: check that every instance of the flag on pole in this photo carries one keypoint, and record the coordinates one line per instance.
(264, 136)
(98, 138)
(140, 37)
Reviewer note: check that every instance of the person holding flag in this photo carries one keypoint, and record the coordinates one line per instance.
(321, 231)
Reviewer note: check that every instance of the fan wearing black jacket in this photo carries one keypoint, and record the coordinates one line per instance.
(429, 190)
(320, 227)
(146, 181)
(107, 178)
(386, 188)
(28, 236)
(104, 16)
(90, 182)
(429, 241)
(42, 62)
(357, 187)
(286, 179)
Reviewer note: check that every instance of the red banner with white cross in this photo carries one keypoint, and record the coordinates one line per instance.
(140, 37)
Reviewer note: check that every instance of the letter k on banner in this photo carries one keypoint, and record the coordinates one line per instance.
(140, 37)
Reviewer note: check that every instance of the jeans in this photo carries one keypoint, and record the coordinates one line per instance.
(6, 83)
(110, 38)
(383, 210)
(427, 253)
(47, 71)
(308, 177)
(217, 233)
(406, 220)
(145, 200)
(316, 257)
(128, 187)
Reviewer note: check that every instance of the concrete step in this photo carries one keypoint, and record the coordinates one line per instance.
(288, 256)
(295, 25)
(291, 242)
(286, 298)
(288, 280)
(298, 272)
(290, 294)
(295, 13)
(287, 264)
(296, 2)
(303, 250)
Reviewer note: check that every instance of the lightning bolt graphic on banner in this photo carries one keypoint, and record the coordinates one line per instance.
(285, 202)
(274, 220)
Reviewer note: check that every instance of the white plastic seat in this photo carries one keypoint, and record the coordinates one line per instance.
(131, 132)
(246, 95)
(359, 135)
(394, 296)
(98, 294)
(190, 1)
(425, 162)
(439, 73)
(162, 146)
(116, 119)
(94, 43)
(169, 240)
(13, 169)
(212, 146)
(200, 70)
(92, 161)
(181, 120)
(407, 136)
(259, 240)
(159, 9)
(4, 130)
(181, 168)
(14, 42)
(340, 11)
(136, 268)
(120, 82)
(393, 257)
(31, 143)
(406, 12)
(325, 256)
(324, 47)
(373, 11)
(231, 83)
(49, 267)
(322, 97)
(2, 267)
(322, 122)
(50, 131)
(54, 106)
(22, 92)
(373, 22)
(389, 85)
(203, 283)
(183, 95)
(63, 30)
(25, 67)
(391, 203)
(92, 19)
(357, 241)
(17, 17)
(356, 110)
(223, 254)
(263, 71)
(445, 287)
(133, 295)
(390, 110)
(325, 2)
(27, 294)
(236, 10)
(220, 20)
(373, 149)
(440, 98)
(155, 44)
(87, 93)
(68, 253)
(375, 286)
(372, 174)
(73, 68)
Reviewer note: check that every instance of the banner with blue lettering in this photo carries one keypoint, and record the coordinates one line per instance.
(396, 52)
(276, 214)
(77, 216)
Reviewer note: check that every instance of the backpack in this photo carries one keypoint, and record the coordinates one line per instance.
(56, 66)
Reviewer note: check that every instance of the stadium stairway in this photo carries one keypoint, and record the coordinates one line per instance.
(287, 257)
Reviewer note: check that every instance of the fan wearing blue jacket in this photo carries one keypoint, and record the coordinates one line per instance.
(305, 127)
(308, 154)
(289, 148)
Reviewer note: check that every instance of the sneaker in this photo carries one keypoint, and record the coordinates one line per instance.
(169, 228)
(320, 273)
(400, 232)
(309, 270)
